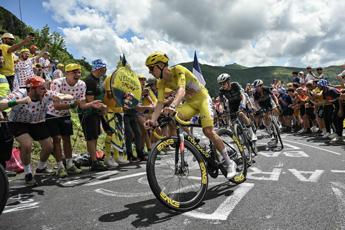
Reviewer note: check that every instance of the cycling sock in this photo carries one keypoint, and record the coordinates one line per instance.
(225, 156)
(69, 162)
(27, 169)
(41, 165)
(60, 165)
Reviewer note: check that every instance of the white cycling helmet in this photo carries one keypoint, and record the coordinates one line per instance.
(257, 82)
(223, 78)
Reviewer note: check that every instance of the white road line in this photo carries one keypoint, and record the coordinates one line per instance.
(338, 171)
(115, 179)
(338, 191)
(312, 146)
(225, 208)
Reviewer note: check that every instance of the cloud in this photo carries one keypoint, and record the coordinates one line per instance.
(267, 32)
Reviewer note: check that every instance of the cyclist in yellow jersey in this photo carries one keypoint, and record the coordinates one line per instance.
(195, 96)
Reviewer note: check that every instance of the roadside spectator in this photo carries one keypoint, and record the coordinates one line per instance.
(27, 123)
(59, 71)
(46, 66)
(320, 73)
(24, 69)
(6, 138)
(90, 118)
(59, 118)
(7, 51)
(310, 76)
(33, 51)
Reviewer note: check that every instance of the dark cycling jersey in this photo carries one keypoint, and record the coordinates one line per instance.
(264, 99)
(233, 96)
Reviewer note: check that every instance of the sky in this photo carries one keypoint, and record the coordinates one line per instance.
(250, 33)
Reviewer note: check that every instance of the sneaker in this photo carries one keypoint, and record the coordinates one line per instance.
(30, 180)
(326, 135)
(314, 129)
(61, 172)
(121, 161)
(73, 170)
(98, 166)
(301, 131)
(333, 135)
(253, 137)
(43, 171)
(231, 169)
(110, 162)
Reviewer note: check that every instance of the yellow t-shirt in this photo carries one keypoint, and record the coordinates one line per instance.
(8, 64)
(182, 77)
(317, 94)
(110, 102)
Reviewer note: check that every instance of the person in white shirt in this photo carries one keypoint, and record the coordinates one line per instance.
(58, 73)
(320, 73)
(24, 67)
(46, 66)
(27, 122)
(310, 76)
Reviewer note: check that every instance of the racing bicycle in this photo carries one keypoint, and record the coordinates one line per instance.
(180, 179)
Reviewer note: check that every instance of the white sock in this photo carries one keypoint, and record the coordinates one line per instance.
(41, 165)
(60, 165)
(69, 162)
(27, 169)
(225, 156)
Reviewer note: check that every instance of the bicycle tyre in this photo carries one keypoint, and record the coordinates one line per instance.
(157, 190)
(277, 133)
(240, 157)
(4, 187)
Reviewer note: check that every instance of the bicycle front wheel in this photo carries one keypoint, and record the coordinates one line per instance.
(3, 189)
(179, 184)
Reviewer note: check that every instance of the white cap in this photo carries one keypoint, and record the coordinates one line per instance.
(7, 35)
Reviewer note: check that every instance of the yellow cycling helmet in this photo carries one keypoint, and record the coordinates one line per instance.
(156, 57)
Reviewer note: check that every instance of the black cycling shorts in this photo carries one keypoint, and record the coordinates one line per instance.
(59, 126)
(91, 124)
(38, 131)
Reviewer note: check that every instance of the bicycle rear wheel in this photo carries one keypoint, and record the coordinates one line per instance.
(3, 189)
(232, 142)
(178, 187)
(276, 133)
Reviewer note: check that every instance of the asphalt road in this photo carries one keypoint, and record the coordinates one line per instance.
(301, 187)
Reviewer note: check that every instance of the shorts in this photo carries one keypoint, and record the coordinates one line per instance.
(198, 105)
(310, 113)
(302, 110)
(6, 142)
(59, 126)
(320, 112)
(91, 126)
(38, 131)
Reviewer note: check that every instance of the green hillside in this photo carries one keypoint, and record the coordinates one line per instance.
(245, 75)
